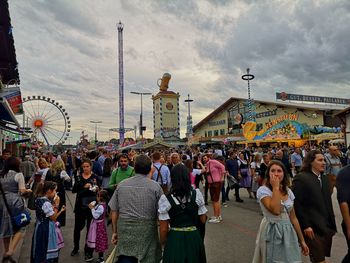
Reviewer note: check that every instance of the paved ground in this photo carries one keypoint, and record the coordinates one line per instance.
(231, 241)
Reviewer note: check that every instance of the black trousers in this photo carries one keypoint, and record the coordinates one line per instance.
(236, 192)
(206, 189)
(82, 217)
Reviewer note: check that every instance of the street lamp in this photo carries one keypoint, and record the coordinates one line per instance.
(96, 122)
(142, 128)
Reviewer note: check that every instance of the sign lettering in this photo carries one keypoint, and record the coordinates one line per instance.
(297, 97)
(217, 123)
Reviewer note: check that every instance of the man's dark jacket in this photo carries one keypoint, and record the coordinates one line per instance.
(313, 204)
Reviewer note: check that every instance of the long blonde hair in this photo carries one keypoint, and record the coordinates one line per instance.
(58, 165)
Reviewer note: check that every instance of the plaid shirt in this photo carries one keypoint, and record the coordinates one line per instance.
(136, 198)
(27, 168)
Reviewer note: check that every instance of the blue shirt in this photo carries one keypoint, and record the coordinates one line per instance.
(296, 159)
(164, 172)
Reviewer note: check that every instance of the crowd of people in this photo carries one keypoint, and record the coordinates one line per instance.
(157, 201)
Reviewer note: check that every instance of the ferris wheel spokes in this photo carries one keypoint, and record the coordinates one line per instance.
(48, 119)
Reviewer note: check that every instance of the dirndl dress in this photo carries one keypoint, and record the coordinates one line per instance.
(44, 242)
(246, 180)
(97, 236)
(184, 242)
(277, 240)
(60, 240)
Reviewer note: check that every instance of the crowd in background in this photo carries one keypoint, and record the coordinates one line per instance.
(177, 184)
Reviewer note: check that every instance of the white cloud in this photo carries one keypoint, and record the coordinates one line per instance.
(67, 50)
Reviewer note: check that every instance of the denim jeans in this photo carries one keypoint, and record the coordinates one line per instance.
(223, 194)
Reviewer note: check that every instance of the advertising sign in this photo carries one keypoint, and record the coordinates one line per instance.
(298, 97)
(14, 99)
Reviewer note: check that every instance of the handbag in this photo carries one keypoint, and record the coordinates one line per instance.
(232, 182)
(112, 256)
(19, 220)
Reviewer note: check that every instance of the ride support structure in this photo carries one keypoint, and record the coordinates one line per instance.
(120, 28)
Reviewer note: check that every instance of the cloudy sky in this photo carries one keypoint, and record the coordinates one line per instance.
(67, 50)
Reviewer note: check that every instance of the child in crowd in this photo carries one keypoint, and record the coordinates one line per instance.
(56, 204)
(44, 244)
(97, 237)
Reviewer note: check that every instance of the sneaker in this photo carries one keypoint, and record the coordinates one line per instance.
(224, 204)
(74, 252)
(239, 200)
(88, 258)
(214, 220)
(220, 218)
(100, 260)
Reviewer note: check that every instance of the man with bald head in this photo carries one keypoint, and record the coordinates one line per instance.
(333, 165)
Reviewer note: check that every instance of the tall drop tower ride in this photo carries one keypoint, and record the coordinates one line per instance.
(120, 27)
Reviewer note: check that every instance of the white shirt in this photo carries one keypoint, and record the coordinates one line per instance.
(164, 205)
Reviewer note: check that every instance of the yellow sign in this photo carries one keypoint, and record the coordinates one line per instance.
(290, 116)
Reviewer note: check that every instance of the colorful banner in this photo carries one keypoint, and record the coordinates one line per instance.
(286, 129)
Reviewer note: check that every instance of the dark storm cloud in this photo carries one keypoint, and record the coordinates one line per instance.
(307, 44)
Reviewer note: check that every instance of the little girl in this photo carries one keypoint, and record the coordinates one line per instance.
(44, 244)
(56, 204)
(97, 237)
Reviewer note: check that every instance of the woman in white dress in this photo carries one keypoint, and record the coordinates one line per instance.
(279, 232)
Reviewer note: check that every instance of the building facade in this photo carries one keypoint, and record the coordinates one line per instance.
(296, 123)
(344, 116)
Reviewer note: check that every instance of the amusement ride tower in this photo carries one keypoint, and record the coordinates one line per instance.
(120, 27)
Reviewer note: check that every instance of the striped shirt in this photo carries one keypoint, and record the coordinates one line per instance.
(136, 198)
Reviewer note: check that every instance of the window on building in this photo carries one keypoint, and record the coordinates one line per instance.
(222, 131)
(205, 134)
(210, 133)
(216, 133)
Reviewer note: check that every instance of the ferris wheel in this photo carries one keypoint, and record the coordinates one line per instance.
(48, 120)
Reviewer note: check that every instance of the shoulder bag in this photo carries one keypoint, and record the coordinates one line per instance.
(19, 220)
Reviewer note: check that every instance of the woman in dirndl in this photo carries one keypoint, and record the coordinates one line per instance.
(13, 185)
(279, 237)
(182, 209)
(59, 175)
(45, 242)
(244, 172)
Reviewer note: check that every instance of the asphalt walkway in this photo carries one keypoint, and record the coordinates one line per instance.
(231, 241)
